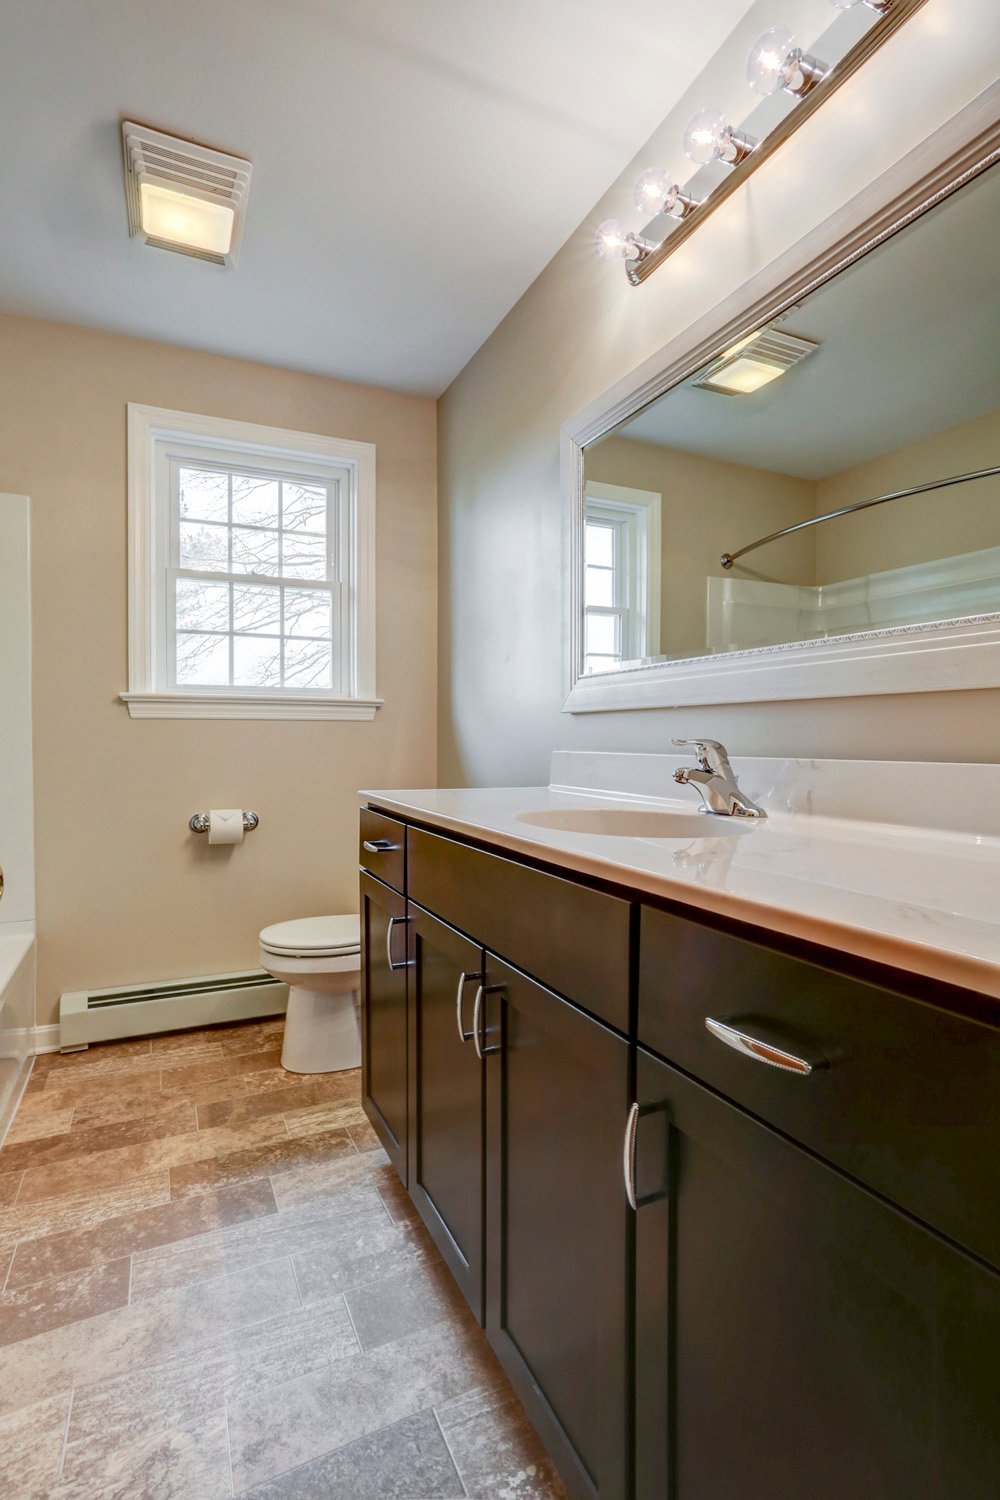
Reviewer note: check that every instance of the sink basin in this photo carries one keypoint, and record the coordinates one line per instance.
(633, 822)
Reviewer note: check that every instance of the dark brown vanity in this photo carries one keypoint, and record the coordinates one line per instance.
(804, 1301)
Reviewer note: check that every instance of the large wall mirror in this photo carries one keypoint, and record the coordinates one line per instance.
(736, 539)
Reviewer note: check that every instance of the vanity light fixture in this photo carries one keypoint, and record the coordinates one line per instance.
(754, 362)
(710, 137)
(656, 192)
(182, 196)
(777, 62)
(776, 65)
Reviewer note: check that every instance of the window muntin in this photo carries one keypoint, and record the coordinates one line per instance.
(606, 592)
(254, 583)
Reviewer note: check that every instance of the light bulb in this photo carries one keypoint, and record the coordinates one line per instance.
(656, 192)
(614, 242)
(710, 137)
(776, 62)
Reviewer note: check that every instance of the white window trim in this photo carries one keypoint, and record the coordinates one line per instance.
(645, 506)
(150, 429)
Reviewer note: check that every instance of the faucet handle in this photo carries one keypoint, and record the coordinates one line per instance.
(712, 754)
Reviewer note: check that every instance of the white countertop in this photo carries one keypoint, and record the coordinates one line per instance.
(923, 899)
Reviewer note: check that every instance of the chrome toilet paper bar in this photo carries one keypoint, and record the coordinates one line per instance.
(198, 822)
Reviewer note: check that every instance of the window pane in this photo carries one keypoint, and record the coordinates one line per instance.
(600, 664)
(255, 500)
(600, 586)
(602, 635)
(202, 606)
(600, 548)
(204, 547)
(304, 507)
(204, 494)
(307, 612)
(256, 662)
(304, 556)
(255, 551)
(308, 664)
(256, 609)
(203, 660)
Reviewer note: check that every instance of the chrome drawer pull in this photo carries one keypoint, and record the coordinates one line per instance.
(378, 846)
(628, 1156)
(388, 942)
(463, 979)
(477, 1011)
(764, 1052)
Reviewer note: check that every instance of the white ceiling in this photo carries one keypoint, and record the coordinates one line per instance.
(909, 341)
(416, 162)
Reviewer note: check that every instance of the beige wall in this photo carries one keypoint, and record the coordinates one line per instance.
(578, 330)
(940, 524)
(125, 892)
(707, 506)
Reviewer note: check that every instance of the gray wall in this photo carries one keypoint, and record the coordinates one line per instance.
(577, 331)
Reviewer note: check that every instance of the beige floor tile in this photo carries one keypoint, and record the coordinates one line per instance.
(344, 1085)
(82, 1209)
(271, 1159)
(105, 1168)
(52, 1303)
(105, 1057)
(227, 1066)
(70, 1089)
(128, 1234)
(133, 1338)
(31, 1445)
(319, 1117)
(285, 1092)
(358, 1215)
(114, 1107)
(303, 1181)
(245, 1363)
(29, 1124)
(45, 1150)
(293, 1423)
(181, 1463)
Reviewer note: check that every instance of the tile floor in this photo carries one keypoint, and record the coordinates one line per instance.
(213, 1285)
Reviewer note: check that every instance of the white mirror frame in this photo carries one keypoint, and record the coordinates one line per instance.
(956, 654)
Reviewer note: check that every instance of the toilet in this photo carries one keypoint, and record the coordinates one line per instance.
(319, 958)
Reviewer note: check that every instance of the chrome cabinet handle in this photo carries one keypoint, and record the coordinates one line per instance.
(763, 1051)
(378, 846)
(388, 943)
(477, 1011)
(463, 979)
(628, 1155)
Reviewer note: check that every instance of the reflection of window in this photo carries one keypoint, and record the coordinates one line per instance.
(254, 594)
(621, 590)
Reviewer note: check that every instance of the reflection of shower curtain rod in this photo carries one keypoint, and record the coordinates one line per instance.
(728, 558)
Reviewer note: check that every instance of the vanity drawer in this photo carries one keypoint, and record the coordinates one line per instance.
(904, 1096)
(382, 848)
(571, 938)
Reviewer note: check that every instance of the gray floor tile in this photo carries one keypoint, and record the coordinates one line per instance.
(408, 1461)
(495, 1448)
(180, 1463)
(31, 1443)
(389, 1309)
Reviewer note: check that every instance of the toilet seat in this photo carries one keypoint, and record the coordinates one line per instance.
(314, 937)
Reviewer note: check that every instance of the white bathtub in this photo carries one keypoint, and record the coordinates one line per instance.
(17, 1007)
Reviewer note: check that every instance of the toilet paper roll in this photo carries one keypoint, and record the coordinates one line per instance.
(225, 825)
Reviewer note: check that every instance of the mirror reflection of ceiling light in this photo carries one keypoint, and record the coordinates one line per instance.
(184, 197)
(755, 361)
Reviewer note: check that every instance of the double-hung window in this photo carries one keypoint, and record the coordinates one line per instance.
(621, 582)
(251, 571)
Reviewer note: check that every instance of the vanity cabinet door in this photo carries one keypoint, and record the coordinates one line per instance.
(557, 1261)
(384, 968)
(794, 1334)
(447, 1098)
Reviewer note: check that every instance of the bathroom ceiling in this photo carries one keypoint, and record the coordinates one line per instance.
(415, 166)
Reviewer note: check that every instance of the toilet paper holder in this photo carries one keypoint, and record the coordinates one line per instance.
(198, 822)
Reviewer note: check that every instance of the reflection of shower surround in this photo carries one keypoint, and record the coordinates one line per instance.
(744, 613)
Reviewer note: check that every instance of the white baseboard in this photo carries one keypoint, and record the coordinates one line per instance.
(44, 1039)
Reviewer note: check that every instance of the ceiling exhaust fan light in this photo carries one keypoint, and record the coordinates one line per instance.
(745, 375)
(178, 218)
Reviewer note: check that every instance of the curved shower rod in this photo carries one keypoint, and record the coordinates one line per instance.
(728, 558)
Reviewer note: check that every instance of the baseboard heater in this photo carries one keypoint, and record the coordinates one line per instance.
(87, 1016)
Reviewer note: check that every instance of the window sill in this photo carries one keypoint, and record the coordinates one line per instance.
(247, 706)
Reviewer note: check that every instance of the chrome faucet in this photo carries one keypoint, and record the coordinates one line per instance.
(716, 781)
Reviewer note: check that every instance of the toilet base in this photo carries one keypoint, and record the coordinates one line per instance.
(322, 1031)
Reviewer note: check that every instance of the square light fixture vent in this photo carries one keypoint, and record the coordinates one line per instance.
(184, 197)
(754, 362)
